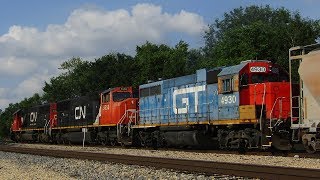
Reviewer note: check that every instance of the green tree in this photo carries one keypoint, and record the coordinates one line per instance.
(87, 78)
(258, 32)
(6, 116)
(68, 84)
(161, 61)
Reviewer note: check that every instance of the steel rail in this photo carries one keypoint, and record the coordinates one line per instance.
(194, 166)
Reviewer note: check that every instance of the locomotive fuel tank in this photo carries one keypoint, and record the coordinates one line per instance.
(77, 137)
(182, 138)
(28, 136)
(177, 136)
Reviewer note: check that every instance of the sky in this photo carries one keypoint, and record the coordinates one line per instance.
(36, 36)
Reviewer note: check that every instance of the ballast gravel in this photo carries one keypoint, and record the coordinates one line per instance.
(22, 166)
(234, 158)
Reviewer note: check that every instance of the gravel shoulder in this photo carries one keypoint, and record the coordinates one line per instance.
(234, 158)
(14, 166)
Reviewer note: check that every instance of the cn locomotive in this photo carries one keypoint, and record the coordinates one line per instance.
(254, 104)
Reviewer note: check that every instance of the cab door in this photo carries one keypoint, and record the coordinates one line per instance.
(106, 109)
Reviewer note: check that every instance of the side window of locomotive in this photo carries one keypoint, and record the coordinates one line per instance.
(144, 92)
(155, 90)
(120, 96)
(273, 77)
(244, 79)
(283, 76)
(227, 85)
(151, 91)
(258, 78)
(106, 97)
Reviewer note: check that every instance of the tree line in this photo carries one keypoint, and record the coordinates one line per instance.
(253, 32)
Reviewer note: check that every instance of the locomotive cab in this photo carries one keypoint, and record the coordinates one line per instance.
(17, 120)
(16, 124)
(257, 92)
(265, 86)
(115, 105)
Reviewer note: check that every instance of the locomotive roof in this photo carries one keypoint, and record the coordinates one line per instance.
(151, 84)
(232, 69)
(16, 111)
(108, 90)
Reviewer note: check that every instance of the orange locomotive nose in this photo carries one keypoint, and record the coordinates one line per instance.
(115, 104)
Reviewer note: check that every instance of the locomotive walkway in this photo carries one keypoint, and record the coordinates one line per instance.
(196, 166)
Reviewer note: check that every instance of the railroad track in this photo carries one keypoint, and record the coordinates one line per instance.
(195, 166)
(301, 154)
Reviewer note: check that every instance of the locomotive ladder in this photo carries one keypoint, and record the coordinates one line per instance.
(131, 114)
(270, 127)
(262, 125)
(47, 129)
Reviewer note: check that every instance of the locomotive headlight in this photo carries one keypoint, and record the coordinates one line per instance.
(131, 102)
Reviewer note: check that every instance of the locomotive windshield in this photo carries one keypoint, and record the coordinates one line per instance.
(260, 78)
(120, 96)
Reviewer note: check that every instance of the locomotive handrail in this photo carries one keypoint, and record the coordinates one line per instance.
(120, 122)
(274, 104)
(264, 95)
(262, 105)
(171, 107)
(176, 116)
(263, 99)
(46, 127)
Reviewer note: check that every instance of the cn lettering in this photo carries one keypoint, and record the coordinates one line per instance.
(33, 117)
(80, 112)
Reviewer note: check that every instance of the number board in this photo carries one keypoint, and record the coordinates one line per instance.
(258, 69)
(229, 99)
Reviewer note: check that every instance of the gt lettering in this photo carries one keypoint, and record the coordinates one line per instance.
(185, 101)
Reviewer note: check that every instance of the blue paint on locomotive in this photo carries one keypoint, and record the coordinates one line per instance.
(189, 98)
(229, 106)
(229, 101)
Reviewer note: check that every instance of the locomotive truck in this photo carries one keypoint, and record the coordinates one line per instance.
(254, 104)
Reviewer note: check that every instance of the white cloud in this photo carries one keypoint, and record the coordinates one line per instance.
(88, 32)
(3, 91)
(11, 65)
(30, 85)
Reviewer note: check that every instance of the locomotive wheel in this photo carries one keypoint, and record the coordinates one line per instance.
(58, 139)
(311, 147)
(242, 146)
(18, 138)
(113, 142)
(102, 141)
